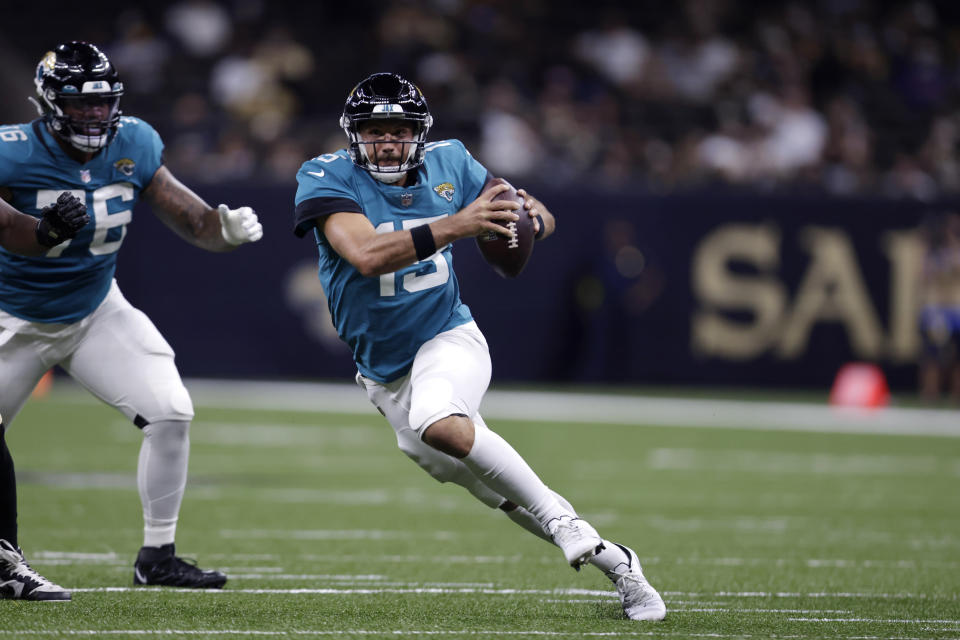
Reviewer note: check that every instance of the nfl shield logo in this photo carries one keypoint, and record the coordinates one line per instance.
(85, 175)
(406, 199)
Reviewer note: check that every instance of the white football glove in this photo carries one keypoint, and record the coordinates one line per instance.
(239, 225)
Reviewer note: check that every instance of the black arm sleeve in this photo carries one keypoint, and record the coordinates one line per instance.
(307, 213)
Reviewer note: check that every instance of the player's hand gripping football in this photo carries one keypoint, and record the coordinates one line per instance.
(61, 220)
(543, 221)
(484, 213)
(239, 225)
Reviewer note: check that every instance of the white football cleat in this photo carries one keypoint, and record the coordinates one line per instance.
(578, 540)
(19, 581)
(639, 599)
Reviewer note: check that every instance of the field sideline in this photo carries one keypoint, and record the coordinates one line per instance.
(607, 408)
(754, 519)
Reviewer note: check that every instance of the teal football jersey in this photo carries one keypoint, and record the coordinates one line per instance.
(386, 319)
(72, 278)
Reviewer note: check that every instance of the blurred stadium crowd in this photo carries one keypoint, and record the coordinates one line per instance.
(845, 96)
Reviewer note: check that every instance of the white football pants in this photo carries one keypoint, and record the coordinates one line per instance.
(115, 353)
(449, 376)
(118, 355)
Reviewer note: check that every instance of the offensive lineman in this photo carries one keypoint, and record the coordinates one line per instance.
(384, 213)
(64, 307)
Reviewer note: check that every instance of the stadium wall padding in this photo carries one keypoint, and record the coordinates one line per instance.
(708, 288)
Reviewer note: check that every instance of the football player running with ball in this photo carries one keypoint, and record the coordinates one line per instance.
(63, 307)
(384, 212)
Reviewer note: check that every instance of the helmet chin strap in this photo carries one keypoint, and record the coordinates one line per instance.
(388, 178)
(88, 144)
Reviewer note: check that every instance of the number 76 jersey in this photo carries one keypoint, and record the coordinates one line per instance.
(72, 279)
(385, 319)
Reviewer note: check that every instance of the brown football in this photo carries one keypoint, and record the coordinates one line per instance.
(508, 255)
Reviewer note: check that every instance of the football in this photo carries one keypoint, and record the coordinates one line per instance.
(508, 255)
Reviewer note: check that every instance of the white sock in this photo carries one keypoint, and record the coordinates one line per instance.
(501, 468)
(162, 478)
(526, 520)
(613, 560)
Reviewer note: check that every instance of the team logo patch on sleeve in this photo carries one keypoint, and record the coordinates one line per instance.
(125, 166)
(445, 190)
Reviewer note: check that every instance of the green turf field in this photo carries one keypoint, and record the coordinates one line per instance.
(327, 530)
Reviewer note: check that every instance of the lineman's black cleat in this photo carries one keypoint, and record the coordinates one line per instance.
(160, 566)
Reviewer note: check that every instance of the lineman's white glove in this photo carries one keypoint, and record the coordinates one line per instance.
(239, 225)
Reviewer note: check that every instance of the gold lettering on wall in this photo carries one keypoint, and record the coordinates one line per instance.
(719, 289)
(904, 249)
(745, 311)
(832, 290)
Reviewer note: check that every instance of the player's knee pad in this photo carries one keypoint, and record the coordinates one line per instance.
(434, 401)
(170, 436)
(165, 402)
(450, 375)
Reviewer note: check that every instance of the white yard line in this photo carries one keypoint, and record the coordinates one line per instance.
(345, 632)
(877, 620)
(355, 591)
(676, 609)
(507, 592)
(54, 557)
(401, 633)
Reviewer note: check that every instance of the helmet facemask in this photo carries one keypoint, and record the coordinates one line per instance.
(86, 134)
(365, 154)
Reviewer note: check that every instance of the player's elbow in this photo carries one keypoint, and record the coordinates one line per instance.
(370, 266)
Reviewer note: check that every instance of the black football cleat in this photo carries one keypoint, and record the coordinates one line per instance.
(19, 581)
(161, 567)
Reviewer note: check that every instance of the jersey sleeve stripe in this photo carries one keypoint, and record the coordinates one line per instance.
(307, 212)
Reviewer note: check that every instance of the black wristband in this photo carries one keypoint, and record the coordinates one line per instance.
(543, 228)
(423, 242)
(45, 235)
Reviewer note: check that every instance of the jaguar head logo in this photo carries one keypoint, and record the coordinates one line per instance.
(124, 166)
(445, 191)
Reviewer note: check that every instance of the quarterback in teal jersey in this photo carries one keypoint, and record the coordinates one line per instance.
(384, 212)
(63, 306)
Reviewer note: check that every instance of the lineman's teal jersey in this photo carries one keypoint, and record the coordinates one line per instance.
(72, 278)
(385, 319)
